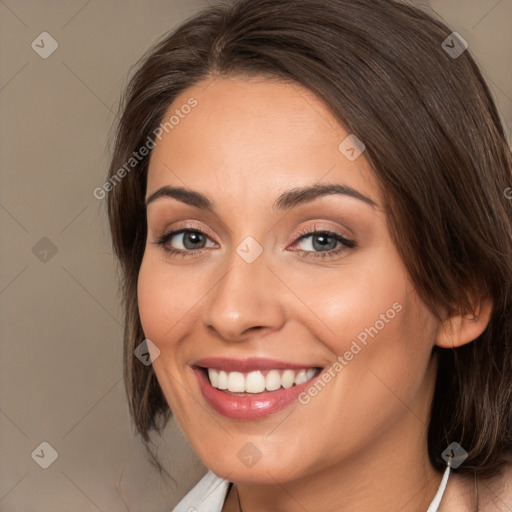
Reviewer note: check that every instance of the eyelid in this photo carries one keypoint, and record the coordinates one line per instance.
(188, 226)
(306, 231)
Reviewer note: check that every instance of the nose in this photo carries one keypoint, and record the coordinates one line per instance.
(245, 300)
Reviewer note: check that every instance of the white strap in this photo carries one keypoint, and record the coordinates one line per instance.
(439, 495)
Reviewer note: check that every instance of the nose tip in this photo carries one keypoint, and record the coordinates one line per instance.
(244, 301)
(235, 331)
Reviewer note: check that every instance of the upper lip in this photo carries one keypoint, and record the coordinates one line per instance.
(248, 365)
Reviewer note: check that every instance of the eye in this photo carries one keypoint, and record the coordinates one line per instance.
(322, 243)
(188, 240)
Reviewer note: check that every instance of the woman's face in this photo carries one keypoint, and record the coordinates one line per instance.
(259, 283)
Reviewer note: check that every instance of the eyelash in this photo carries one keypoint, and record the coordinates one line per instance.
(318, 230)
(345, 242)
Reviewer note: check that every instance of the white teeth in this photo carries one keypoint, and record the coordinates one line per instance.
(214, 377)
(256, 382)
(300, 377)
(223, 380)
(288, 379)
(236, 382)
(272, 380)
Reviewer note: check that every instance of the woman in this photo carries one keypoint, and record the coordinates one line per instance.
(307, 201)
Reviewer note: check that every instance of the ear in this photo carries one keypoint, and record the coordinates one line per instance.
(459, 328)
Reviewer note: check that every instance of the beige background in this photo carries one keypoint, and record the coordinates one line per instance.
(60, 354)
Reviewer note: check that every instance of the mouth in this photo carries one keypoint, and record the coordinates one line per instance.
(258, 381)
(254, 388)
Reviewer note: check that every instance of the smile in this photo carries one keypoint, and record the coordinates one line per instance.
(253, 388)
(259, 381)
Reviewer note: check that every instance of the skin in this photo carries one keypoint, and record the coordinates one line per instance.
(360, 444)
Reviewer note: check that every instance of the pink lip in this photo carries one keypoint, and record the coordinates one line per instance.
(248, 365)
(248, 406)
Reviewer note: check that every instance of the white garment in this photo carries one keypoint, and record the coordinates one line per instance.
(209, 494)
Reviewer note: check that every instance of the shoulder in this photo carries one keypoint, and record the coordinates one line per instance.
(207, 495)
(465, 494)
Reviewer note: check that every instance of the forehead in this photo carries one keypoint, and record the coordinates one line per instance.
(247, 137)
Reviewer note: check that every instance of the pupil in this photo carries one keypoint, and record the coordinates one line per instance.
(193, 238)
(324, 244)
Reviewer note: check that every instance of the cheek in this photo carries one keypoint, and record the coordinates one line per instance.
(363, 298)
(164, 298)
(150, 295)
(166, 308)
(381, 337)
(373, 323)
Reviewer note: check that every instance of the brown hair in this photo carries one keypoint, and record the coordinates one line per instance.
(436, 144)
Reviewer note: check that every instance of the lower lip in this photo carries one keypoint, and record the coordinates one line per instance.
(250, 406)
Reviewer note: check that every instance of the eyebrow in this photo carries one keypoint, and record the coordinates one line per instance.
(286, 201)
